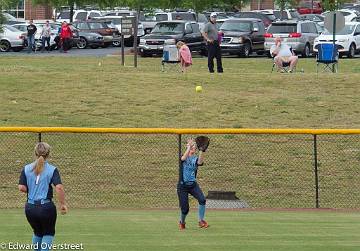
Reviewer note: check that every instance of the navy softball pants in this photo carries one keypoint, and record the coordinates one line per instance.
(42, 218)
(183, 192)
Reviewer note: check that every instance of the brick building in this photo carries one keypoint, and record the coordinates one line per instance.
(37, 11)
(25, 9)
(261, 4)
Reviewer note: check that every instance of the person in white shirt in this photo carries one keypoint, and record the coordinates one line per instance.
(45, 36)
(283, 55)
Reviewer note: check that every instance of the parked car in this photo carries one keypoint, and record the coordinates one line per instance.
(286, 14)
(148, 21)
(170, 16)
(347, 40)
(115, 21)
(312, 17)
(91, 39)
(169, 33)
(305, 7)
(79, 15)
(299, 35)
(266, 19)
(110, 34)
(11, 38)
(243, 36)
(349, 15)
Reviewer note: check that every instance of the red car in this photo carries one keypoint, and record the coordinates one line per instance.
(305, 7)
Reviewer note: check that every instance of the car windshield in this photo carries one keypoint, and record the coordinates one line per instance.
(97, 25)
(183, 16)
(10, 28)
(64, 15)
(280, 14)
(348, 29)
(282, 28)
(236, 26)
(168, 28)
(116, 21)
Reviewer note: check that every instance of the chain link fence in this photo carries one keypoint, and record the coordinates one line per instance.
(109, 170)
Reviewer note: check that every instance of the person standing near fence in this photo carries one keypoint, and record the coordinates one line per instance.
(45, 36)
(187, 184)
(31, 31)
(65, 36)
(211, 35)
(36, 180)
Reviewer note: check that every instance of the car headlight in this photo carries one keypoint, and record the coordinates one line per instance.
(142, 41)
(237, 40)
(342, 40)
(170, 41)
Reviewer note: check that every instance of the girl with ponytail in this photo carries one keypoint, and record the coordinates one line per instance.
(37, 180)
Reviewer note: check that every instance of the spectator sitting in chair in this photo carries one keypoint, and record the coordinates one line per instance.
(283, 55)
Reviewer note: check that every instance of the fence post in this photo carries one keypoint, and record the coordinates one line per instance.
(39, 136)
(179, 145)
(316, 173)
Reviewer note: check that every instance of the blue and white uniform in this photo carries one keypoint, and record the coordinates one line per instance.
(188, 185)
(39, 209)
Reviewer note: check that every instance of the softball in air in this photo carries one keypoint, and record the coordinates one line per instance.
(198, 88)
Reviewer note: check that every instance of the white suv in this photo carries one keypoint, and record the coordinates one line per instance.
(347, 40)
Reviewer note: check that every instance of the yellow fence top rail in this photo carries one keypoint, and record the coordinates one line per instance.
(177, 130)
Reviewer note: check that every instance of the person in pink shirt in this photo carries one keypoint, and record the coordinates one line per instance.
(184, 55)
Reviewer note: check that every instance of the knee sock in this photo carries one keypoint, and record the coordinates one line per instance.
(36, 241)
(182, 217)
(201, 212)
(48, 239)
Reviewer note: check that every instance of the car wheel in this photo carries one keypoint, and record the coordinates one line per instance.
(116, 43)
(260, 53)
(5, 46)
(246, 50)
(352, 51)
(82, 44)
(306, 51)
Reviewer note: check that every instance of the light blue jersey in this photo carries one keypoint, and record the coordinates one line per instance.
(39, 186)
(190, 167)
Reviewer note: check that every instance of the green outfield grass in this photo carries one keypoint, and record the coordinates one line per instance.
(76, 91)
(110, 230)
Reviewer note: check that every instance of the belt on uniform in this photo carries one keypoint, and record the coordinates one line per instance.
(38, 202)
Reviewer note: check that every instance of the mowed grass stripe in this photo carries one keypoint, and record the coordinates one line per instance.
(157, 230)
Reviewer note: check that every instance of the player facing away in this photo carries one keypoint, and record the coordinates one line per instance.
(36, 181)
(187, 184)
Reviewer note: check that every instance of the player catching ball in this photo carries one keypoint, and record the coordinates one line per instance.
(187, 180)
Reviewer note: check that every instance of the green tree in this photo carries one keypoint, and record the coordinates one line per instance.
(285, 4)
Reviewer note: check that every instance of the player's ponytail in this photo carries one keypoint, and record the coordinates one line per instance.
(42, 151)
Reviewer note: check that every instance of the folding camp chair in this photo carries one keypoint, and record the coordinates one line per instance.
(285, 65)
(328, 55)
(170, 58)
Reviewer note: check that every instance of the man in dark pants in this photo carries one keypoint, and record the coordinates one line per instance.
(31, 31)
(211, 35)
